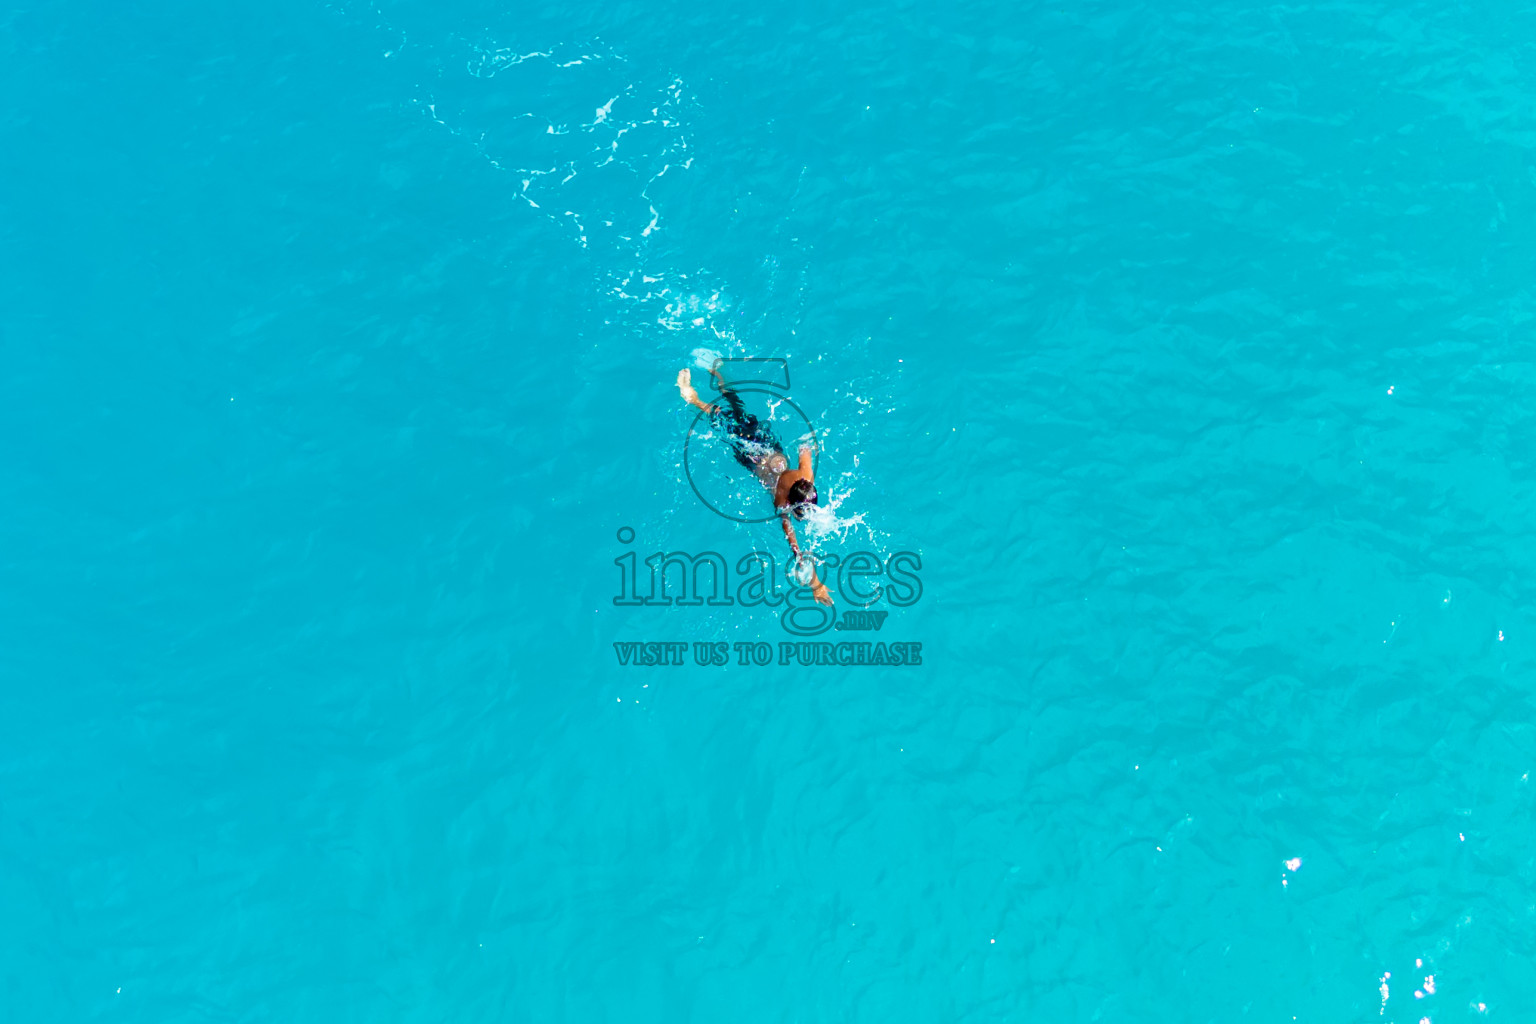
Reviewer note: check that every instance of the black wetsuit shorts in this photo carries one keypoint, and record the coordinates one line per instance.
(749, 438)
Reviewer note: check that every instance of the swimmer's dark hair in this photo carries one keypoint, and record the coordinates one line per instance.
(802, 493)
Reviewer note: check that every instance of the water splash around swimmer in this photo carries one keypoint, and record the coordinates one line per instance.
(824, 521)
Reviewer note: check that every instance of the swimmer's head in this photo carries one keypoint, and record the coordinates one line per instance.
(802, 494)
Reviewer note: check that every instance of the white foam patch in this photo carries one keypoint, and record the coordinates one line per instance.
(826, 520)
(637, 131)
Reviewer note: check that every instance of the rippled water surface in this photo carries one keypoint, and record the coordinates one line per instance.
(1184, 349)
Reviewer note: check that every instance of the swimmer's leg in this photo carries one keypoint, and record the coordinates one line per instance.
(726, 392)
(685, 388)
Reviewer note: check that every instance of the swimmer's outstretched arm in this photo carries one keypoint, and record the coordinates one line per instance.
(685, 388)
(818, 589)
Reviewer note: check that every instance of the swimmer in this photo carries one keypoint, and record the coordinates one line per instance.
(754, 445)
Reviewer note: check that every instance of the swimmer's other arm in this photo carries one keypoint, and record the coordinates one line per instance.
(818, 589)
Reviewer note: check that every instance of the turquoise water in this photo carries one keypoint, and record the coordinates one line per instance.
(1185, 346)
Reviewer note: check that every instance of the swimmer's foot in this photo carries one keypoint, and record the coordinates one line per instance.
(685, 388)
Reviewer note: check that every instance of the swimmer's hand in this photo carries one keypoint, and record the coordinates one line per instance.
(685, 386)
(805, 575)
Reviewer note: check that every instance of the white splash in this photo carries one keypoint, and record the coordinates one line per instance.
(706, 358)
(822, 521)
